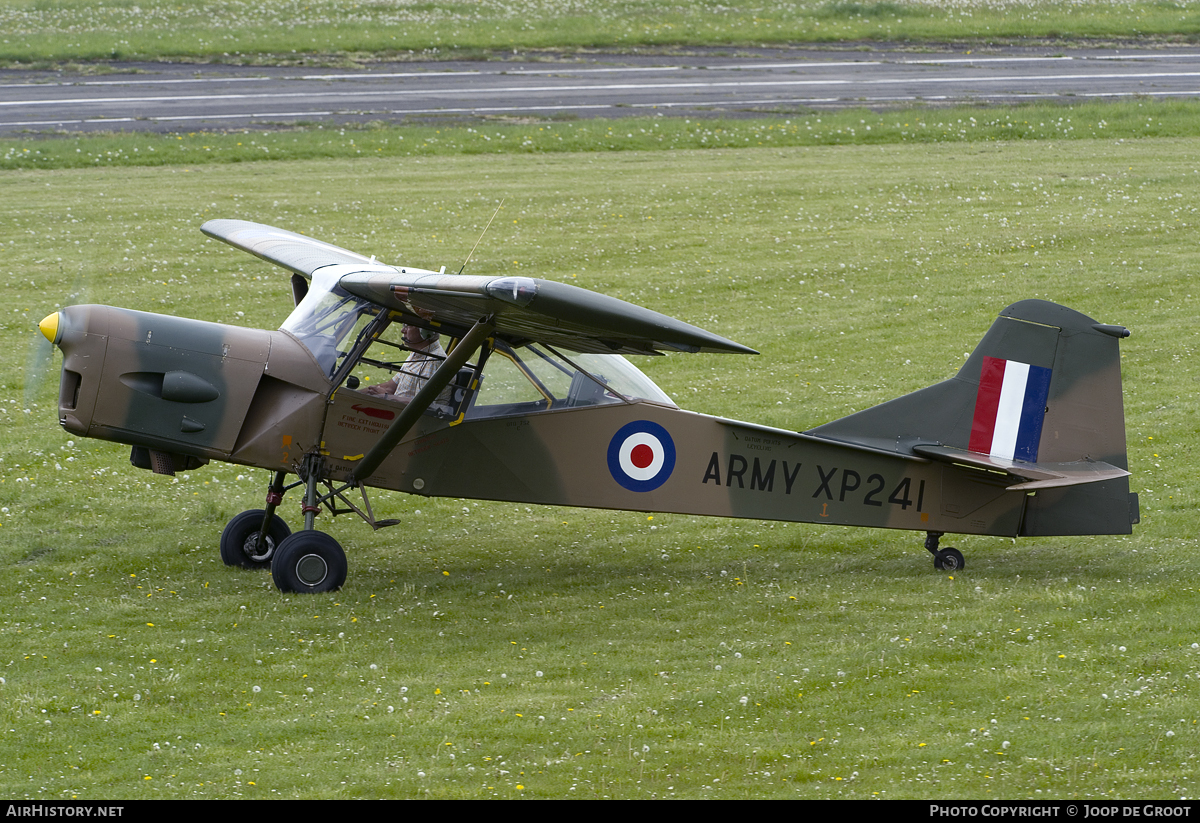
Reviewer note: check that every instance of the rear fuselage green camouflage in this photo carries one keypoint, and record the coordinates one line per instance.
(187, 391)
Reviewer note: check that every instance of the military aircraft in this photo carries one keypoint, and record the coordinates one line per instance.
(535, 403)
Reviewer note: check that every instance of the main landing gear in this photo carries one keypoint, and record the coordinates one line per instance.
(244, 543)
(948, 559)
(306, 562)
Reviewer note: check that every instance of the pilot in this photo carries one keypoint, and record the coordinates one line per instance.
(427, 353)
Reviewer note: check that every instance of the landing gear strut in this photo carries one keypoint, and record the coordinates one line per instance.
(309, 561)
(948, 559)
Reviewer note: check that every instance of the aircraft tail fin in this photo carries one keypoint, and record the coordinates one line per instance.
(1039, 399)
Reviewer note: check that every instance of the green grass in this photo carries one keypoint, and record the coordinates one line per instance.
(483, 649)
(241, 31)
(860, 127)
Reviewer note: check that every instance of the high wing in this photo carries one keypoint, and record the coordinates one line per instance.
(300, 254)
(522, 308)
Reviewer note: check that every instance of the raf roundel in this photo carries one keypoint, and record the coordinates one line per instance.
(641, 456)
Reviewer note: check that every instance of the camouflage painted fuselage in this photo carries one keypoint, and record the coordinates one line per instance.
(198, 391)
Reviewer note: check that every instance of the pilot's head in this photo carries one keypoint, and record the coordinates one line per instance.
(419, 337)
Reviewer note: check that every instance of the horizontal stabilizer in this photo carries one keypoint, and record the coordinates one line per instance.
(1034, 475)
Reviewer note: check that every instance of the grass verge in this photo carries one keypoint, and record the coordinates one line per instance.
(234, 30)
(861, 127)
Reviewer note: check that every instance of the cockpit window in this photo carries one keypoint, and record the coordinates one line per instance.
(536, 377)
(328, 321)
(334, 324)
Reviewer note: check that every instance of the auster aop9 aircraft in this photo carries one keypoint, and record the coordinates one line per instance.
(534, 403)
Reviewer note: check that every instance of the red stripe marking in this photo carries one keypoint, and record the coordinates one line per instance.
(987, 403)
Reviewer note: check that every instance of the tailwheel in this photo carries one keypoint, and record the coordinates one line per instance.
(949, 560)
(243, 543)
(308, 562)
(946, 560)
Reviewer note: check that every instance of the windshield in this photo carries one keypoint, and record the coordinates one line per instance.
(327, 321)
(536, 377)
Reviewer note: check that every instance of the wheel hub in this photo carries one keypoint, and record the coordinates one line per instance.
(312, 569)
(258, 552)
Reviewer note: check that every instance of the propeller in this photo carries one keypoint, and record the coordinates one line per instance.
(39, 359)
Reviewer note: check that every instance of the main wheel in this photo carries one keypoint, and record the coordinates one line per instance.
(949, 560)
(240, 544)
(309, 562)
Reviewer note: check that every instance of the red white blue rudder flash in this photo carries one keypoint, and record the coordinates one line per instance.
(1009, 409)
(641, 456)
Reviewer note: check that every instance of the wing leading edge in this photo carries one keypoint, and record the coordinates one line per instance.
(524, 308)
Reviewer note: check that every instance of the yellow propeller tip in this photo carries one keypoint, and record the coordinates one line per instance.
(49, 327)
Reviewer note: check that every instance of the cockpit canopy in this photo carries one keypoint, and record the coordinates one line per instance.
(356, 341)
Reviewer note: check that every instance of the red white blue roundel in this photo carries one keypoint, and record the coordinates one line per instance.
(641, 456)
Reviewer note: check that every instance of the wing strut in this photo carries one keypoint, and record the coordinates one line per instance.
(423, 399)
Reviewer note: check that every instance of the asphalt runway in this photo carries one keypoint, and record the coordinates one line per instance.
(164, 97)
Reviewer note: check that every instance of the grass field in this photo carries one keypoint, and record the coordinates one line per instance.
(492, 650)
(33, 31)
(486, 649)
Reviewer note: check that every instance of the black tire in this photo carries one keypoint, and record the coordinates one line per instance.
(949, 560)
(239, 541)
(309, 562)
